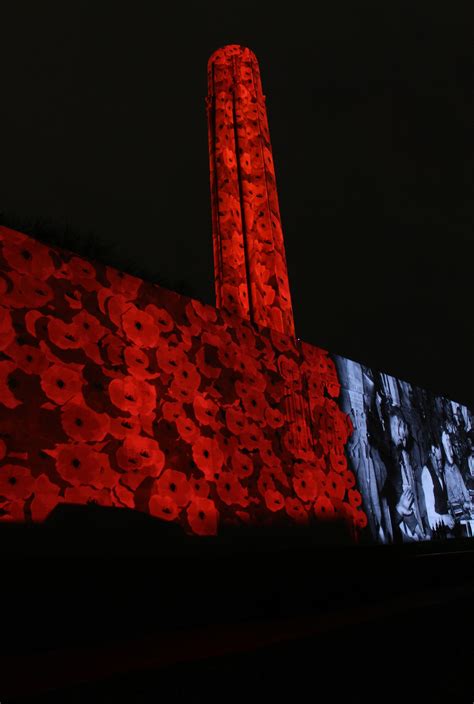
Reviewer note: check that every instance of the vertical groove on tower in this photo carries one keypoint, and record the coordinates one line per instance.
(251, 274)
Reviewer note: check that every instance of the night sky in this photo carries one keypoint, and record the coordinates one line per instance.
(371, 112)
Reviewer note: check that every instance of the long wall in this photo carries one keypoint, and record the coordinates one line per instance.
(116, 391)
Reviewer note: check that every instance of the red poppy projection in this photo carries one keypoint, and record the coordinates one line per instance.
(116, 391)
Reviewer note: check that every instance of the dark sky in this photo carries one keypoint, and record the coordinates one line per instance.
(371, 111)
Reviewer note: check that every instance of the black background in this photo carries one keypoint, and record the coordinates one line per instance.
(371, 115)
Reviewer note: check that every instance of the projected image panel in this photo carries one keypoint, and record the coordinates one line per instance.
(412, 453)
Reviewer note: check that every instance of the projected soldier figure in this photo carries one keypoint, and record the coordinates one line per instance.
(407, 515)
(435, 491)
(458, 495)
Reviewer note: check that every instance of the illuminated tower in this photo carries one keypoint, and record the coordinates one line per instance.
(251, 275)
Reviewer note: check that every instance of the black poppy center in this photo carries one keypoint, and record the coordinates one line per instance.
(201, 515)
(12, 383)
(129, 397)
(12, 481)
(172, 486)
(26, 254)
(79, 422)
(60, 383)
(138, 325)
(29, 358)
(227, 486)
(206, 454)
(76, 463)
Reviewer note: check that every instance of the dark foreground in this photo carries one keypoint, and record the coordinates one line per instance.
(108, 606)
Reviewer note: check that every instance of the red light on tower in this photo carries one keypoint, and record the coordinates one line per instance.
(251, 276)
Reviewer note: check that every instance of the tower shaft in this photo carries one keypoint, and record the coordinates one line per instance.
(251, 276)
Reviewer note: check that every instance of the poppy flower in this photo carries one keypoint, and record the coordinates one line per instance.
(315, 386)
(140, 453)
(29, 359)
(360, 519)
(132, 395)
(252, 437)
(207, 456)
(46, 497)
(206, 369)
(206, 411)
(60, 383)
(88, 326)
(229, 444)
(335, 485)
(186, 377)
(338, 461)
(187, 430)
(121, 427)
(140, 327)
(199, 487)
(218, 338)
(282, 342)
(265, 481)
(288, 368)
(180, 393)
(253, 401)
(333, 388)
(268, 455)
(82, 272)
(79, 463)
(170, 357)
(64, 335)
(82, 423)
(29, 257)
(232, 300)
(242, 464)
(323, 508)
(236, 420)
(305, 485)
(117, 306)
(349, 479)
(163, 507)
(274, 417)
(174, 485)
(162, 319)
(122, 283)
(16, 482)
(27, 292)
(138, 362)
(354, 497)
(245, 364)
(202, 516)
(172, 410)
(274, 500)
(7, 333)
(230, 490)
(206, 313)
(114, 349)
(296, 510)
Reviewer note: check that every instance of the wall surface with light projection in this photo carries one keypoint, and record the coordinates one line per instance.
(116, 391)
(412, 454)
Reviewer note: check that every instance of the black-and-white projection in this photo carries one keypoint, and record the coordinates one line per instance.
(412, 453)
